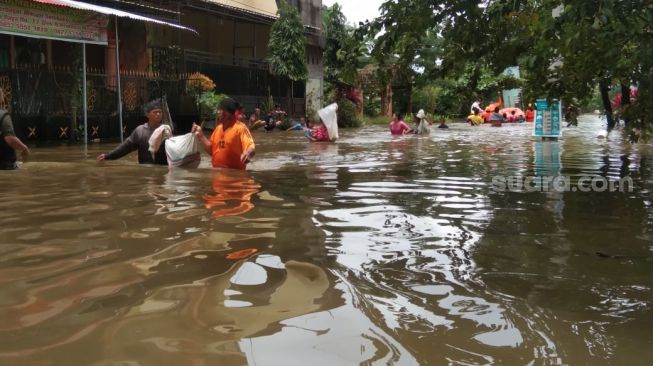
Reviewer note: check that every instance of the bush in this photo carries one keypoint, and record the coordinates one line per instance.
(208, 103)
(347, 114)
(285, 124)
(377, 120)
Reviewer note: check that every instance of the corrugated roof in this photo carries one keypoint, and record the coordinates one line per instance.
(263, 7)
(109, 11)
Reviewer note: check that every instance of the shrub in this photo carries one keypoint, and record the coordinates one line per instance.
(199, 83)
(208, 103)
(347, 114)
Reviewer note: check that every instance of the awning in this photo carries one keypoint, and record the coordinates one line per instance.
(267, 8)
(109, 11)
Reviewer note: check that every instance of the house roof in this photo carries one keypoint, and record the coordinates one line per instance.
(109, 11)
(267, 8)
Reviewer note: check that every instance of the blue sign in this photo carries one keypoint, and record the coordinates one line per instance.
(548, 119)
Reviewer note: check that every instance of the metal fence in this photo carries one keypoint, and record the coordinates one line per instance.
(46, 107)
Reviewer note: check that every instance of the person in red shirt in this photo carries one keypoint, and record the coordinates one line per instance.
(231, 145)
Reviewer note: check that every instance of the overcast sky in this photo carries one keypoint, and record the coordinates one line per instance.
(357, 10)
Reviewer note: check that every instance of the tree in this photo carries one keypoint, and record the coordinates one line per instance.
(565, 48)
(287, 45)
(335, 32)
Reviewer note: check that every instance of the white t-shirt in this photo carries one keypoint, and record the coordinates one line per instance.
(476, 105)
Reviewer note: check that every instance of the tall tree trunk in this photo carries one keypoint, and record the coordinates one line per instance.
(625, 99)
(386, 100)
(607, 105)
(360, 93)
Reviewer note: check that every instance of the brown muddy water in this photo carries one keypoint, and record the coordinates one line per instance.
(373, 251)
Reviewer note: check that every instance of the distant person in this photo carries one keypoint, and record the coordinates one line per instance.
(139, 139)
(298, 125)
(240, 114)
(398, 126)
(423, 124)
(496, 119)
(443, 124)
(231, 145)
(274, 118)
(278, 113)
(256, 120)
(530, 113)
(9, 143)
(513, 116)
(475, 119)
(477, 105)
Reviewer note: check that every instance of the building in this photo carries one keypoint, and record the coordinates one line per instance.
(38, 73)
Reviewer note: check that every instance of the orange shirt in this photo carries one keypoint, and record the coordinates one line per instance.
(227, 146)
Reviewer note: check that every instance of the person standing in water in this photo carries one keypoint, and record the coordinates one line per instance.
(231, 145)
(139, 139)
(423, 124)
(496, 119)
(9, 143)
(398, 126)
(476, 105)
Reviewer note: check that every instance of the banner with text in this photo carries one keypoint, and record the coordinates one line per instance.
(31, 19)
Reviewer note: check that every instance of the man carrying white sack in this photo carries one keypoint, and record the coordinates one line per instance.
(139, 139)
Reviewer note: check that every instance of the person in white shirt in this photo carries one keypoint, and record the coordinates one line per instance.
(477, 105)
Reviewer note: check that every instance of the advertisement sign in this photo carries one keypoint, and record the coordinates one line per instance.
(547, 119)
(32, 19)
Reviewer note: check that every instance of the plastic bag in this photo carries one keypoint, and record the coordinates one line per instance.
(329, 117)
(159, 135)
(183, 151)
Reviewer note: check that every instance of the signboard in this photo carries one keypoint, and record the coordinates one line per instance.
(32, 19)
(547, 119)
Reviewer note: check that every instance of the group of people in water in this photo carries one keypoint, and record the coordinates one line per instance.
(231, 144)
(423, 124)
(494, 115)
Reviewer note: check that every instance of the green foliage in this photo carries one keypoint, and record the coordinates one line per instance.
(377, 120)
(209, 102)
(427, 98)
(287, 45)
(564, 49)
(285, 124)
(268, 102)
(335, 32)
(372, 105)
(347, 114)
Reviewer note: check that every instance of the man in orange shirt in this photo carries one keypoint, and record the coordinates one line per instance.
(231, 145)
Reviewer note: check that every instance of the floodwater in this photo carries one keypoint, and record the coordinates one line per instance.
(373, 251)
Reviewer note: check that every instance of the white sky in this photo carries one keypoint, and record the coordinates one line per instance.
(357, 10)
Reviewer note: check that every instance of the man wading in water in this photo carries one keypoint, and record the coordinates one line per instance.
(231, 145)
(9, 143)
(139, 139)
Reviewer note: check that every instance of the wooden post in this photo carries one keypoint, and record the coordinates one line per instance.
(85, 100)
(48, 53)
(12, 51)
